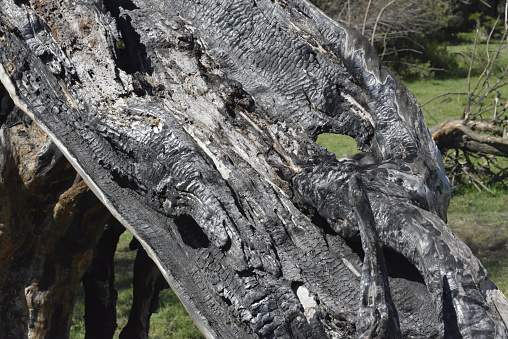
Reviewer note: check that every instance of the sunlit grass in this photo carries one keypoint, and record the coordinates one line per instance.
(338, 144)
(480, 219)
(172, 320)
(440, 99)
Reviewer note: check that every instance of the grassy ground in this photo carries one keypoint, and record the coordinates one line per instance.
(478, 218)
(443, 99)
(448, 106)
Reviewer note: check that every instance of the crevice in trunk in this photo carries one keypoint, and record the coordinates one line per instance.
(130, 53)
(192, 235)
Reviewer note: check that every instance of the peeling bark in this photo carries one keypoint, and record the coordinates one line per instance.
(195, 123)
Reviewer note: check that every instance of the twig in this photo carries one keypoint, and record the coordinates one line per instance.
(465, 115)
(365, 18)
(377, 20)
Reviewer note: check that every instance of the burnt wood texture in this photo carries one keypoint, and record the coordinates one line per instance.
(194, 123)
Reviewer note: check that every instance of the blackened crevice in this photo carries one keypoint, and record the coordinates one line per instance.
(22, 2)
(231, 91)
(227, 301)
(451, 327)
(10, 115)
(188, 43)
(191, 233)
(227, 246)
(321, 222)
(113, 6)
(295, 285)
(398, 266)
(130, 53)
(126, 181)
(355, 244)
(249, 272)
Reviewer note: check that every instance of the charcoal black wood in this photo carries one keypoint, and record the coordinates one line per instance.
(195, 123)
(99, 285)
(147, 283)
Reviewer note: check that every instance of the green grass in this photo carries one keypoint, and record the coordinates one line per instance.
(338, 144)
(124, 263)
(443, 99)
(78, 322)
(484, 51)
(446, 107)
(480, 219)
(172, 320)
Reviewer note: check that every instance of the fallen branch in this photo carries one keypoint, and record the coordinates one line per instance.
(460, 134)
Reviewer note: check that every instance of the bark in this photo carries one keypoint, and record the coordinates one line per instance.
(49, 224)
(195, 123)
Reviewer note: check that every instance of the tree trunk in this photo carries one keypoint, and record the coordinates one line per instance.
(195, 123)
(99, 285)
(50, 222)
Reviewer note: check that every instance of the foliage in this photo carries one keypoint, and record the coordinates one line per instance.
(411, 36)
(399, 30)
(422, 58)
(385, 20)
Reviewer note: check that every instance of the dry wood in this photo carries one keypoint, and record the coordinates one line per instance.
(194, 123)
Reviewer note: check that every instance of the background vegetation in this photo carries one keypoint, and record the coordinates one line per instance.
(441, 49)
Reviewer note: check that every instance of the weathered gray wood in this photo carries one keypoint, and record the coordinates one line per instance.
(195, 123)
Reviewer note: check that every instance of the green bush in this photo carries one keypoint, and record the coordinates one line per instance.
(421, 57)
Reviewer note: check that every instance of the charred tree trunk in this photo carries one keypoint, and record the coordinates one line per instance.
(99, 285)
(147, 283)
(50, 222)
(195, 123)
